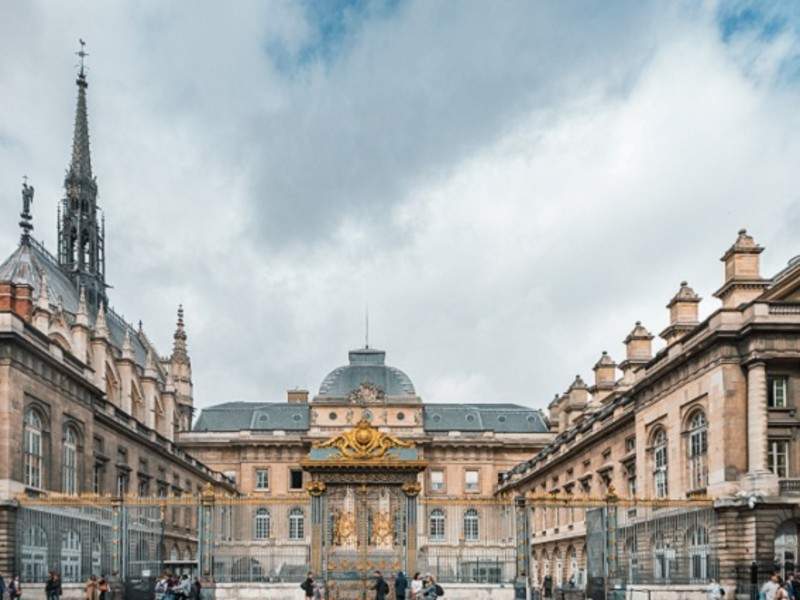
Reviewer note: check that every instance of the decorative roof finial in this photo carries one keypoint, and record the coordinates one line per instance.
(82, 54)
(179, 352)
(366, 326)
(100, 324)
(27, 199)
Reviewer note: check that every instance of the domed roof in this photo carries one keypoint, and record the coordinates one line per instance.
(367, 369)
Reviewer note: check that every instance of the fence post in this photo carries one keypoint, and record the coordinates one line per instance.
(411, 490)
(118, 541)
(316, 490)
(205, 533)
(521, 575)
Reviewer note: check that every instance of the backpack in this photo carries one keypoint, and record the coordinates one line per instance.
(439, 590)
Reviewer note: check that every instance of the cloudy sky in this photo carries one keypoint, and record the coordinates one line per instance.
(508, 186)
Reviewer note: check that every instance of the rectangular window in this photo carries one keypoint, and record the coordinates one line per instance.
(97, 478)
(295, 479)
(262, 479)
(122, 483)
(144, 487)
(630, 475)
(779, 457)
(471, 480)
(437, 480)
(777, 388)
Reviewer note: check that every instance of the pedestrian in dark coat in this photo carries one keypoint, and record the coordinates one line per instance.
(381, 587)
(400, 586)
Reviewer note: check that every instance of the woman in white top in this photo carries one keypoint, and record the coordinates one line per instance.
(416, 587)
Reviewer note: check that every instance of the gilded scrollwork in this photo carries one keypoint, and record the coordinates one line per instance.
(364, 442)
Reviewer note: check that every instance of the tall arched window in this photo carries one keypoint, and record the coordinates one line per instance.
(69, 478)
(697, 451)
(261, 525)
(698, 553)
(660, 464)
(786, 545)
(34, 554)
(660, 557)
(471, 525)
(296, 524)
(437, 524)
(71, 556)
(32, 434)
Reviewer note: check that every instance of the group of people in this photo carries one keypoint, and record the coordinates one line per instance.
(14, 588)
(777, 588)
(172, 587)
(96, 588)
(417, 588)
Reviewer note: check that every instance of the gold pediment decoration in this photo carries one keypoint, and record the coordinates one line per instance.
(363, 442)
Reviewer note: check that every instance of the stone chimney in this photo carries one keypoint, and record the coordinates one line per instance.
(638, 351)
(743, 282)
(554, 412)
(605, 377)
(16, 298)
(683, 311)
(297, 396)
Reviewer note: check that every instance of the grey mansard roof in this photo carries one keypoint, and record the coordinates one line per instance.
(254, 416)
(367, 365)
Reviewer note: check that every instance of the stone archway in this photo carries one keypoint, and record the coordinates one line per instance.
(786, 546)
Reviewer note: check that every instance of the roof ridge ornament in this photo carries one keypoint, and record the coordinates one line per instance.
(26, 223)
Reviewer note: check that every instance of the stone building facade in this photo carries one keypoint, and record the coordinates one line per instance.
(87, 404)
(455, 457)
(713, 413)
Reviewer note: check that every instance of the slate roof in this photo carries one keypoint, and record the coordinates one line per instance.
(254, 416)
(26, 265)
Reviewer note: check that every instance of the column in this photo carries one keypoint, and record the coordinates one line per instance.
(317, 491)
(205, 533)
(411, 490)
(523, 548)
(757, 418)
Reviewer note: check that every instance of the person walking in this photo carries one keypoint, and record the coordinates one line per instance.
(308, 585)
(400, 586)
(770, 587)
(90, 591)
(52, 588)
(103, 588)
(381, 587)
(196, 589)
(14, 588)
(416, 587)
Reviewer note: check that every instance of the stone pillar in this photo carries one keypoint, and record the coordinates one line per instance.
(205, 533)
(8, 537)
(523, 553)
(317, 491)
(757, 418)
(411, 490)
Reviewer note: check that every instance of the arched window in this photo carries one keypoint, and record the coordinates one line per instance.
(471, 525)
(660, 557)
(698, 553)
(631, 551)
(32, 434)
(173, 554)
(437, 524)
(261, 524)
(69, 478)
(572, 576)
(697, 451)
(296, 524)
(34, 554)
(786, 542)
(660, 464)
(71, 556)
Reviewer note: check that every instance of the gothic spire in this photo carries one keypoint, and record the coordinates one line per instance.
(179, 352)
(81, 243)
(80, 166)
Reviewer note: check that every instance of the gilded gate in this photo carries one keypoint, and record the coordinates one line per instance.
(363, 513)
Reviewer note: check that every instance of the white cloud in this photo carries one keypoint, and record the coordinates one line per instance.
(509, 191)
